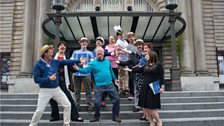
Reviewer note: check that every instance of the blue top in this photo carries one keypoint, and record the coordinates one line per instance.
(142, 61)
(102, 72)
(77, 54)
(42, 71)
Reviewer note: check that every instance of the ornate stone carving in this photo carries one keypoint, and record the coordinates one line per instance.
(97, 2)
(129, 2)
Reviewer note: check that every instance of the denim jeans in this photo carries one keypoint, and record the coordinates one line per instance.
(111, 91)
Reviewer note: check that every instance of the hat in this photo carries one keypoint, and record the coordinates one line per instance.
(101, 39)
(84, 39)
(118, 30)
(130, 33)
(139, 41)
(44, 48)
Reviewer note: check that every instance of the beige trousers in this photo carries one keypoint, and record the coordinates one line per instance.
(123, 78)
(45, 94)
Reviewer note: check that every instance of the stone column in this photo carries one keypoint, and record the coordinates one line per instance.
(28, 38)
(43, 6)
(198, 38)
(187, 54)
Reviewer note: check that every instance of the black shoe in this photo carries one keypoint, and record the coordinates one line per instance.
(79, 119)
(136, 109)
(123, 92)
(54, 119)
(94, 119)
(143, 118)
(116, 119)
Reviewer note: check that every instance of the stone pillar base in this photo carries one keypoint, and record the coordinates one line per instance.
(24, 75)
(175, 79)
(199, 83)
(23, 85)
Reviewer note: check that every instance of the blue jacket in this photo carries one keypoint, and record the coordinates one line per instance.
(102, 72)
(43, 71)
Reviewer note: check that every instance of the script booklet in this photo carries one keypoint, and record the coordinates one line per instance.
(155, 86)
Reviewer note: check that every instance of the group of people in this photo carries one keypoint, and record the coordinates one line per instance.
(120, 67)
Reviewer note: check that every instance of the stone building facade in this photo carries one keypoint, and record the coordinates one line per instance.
(21, 36)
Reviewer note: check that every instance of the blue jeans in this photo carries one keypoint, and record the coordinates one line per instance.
(111, 91)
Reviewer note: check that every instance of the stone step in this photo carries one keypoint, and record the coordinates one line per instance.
(126, 107)
(203, 121)
(124, 114)
(166, 94)
(126, 101)
(178, 109)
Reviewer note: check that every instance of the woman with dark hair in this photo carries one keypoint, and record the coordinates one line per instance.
(152, 71)
(139, 76)
(63, 84)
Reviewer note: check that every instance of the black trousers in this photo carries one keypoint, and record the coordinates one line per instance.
(54, 104)
(131, 82)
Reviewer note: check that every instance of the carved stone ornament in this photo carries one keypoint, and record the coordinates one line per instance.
(129, 2)
(97, 2)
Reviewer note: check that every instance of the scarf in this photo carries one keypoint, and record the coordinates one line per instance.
(65, 71)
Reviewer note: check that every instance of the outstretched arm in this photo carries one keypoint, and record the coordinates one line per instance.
(86, 70)
(68, 62)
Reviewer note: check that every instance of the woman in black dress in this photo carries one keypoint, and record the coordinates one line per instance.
(152, 71)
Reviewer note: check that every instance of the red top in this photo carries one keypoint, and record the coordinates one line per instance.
(61, 70)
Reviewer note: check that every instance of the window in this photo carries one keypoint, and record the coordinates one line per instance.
(142, 5)
(84, 5)
(112, 5)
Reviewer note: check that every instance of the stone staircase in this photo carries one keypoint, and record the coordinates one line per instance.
(178, 109)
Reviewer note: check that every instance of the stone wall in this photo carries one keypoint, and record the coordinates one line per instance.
(6, 22)
(11, 31)
(218, 16)
(213, 21)
(17, 40)
(166, 53)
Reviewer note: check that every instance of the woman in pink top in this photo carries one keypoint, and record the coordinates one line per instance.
(111, 48)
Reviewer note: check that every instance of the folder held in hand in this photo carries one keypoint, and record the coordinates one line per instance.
(155, 86)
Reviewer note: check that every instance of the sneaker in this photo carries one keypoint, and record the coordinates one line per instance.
(116, 119)
(131, 98)
(66, 125)
(103, 104)
(79, 119)
(94, 119)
